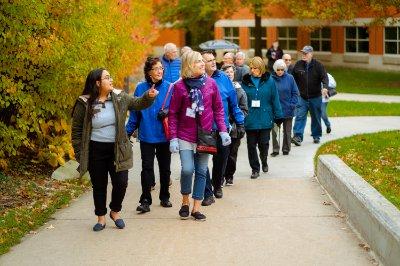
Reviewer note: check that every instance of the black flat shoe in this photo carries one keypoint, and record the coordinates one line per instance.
(198, 216)
(274, 154)
(166, 204)
(118, 223)
(98, 227)
(184, 212)
(143, 208)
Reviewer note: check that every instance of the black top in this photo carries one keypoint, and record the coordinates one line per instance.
(309, 78)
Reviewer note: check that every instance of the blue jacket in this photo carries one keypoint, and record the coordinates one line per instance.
(270, 108)
(228, 97)
(288, 93)
(150, 128)
(172, 69)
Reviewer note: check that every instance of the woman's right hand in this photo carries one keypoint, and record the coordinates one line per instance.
(153, 92)
(174, 145)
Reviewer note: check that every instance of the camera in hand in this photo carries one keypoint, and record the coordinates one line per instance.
(162, 114)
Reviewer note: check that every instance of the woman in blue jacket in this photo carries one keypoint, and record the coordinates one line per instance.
(153, 141)
(288, 97)
(264, 109)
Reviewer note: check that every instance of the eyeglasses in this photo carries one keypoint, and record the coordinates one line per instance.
(107, 77)
(280, 70)
(157, 68)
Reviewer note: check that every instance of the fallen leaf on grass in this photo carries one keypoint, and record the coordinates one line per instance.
(32, 232)
(50, 227)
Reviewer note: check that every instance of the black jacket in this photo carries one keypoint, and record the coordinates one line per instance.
(309, 82)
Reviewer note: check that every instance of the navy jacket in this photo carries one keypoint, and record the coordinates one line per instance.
(150, 128)
(172, 69)
(288, 93)
(228, 97)
(309, 79)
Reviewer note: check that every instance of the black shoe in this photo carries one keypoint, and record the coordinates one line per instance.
(229, 182)
(198, 216)
(316, 140)
(265, 168)
(328, 130)
(143, 207)
(118, 223)
(184, 212)
(274, 154)
(208, 201)
(166, 203)
(254, 175)
(285, 153)
(218, 193)
(296, 140)
(98, 227)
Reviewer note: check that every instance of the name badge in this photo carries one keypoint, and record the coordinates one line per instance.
(190, 113)
(255, 103)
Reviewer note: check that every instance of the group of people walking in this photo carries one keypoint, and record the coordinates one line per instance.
(185, 99)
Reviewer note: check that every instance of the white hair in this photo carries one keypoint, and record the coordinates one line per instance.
(241, 54)
(169, 47)
(279, 64)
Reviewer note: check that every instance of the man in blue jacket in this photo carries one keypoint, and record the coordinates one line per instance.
(229, 100)
(171, 63)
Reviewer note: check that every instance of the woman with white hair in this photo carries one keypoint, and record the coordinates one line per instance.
(288, 96)
(195, 103)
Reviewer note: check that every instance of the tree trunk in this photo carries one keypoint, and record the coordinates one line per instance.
(257, 31)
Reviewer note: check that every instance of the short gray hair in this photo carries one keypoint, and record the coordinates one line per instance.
(169, 47)
(241, 54)
(279, 64)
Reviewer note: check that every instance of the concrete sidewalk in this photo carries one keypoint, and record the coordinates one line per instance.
(366, 98)
(279, 219)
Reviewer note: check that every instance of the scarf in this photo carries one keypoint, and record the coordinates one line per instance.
(195, 95)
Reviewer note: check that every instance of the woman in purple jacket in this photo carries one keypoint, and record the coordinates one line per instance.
(194, 95)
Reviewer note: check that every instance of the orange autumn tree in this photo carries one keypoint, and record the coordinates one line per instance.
(46, 50)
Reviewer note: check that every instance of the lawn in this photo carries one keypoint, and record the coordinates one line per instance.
(352, 80)
(348, 108)
(376, 157)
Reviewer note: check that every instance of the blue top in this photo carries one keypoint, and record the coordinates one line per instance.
(288, 93)
(172, 69)
(103, 122)
(228, 97)
(150, 128)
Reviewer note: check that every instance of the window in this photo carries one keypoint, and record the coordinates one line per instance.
(392, 40)
(321, 40)
(287, 38)
(357, 39)
(263, 37)
(232, 34)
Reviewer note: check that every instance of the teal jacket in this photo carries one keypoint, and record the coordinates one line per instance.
(270, 108)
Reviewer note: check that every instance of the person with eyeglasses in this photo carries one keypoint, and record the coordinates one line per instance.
(153, 141)
(100, 142)
(171, 63)
(287, 58)
(288, 97)
(264, 110)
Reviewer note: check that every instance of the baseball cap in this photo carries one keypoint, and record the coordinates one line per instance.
(307, 49)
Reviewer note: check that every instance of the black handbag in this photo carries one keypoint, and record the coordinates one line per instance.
(206, 140)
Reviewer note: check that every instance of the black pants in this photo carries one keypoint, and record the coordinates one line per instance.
(231, 164)
(287, 136)
(219, 164)
(161, 151)
(261, 138)
(101, 163)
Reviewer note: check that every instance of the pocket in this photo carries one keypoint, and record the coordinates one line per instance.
(125, 151)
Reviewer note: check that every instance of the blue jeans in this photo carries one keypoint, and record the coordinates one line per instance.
(324, 114)
(193, 163)
(303, 106)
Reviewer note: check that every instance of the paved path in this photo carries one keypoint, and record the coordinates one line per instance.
(278, 219)
(366, 98)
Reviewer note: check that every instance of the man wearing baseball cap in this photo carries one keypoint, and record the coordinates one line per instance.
(309, 73)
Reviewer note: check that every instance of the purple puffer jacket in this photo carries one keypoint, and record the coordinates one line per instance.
(185, 127)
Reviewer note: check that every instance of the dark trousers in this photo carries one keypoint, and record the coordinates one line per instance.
(148, 152)
(261, 138)
(101, 163)
(219, 165)
(231, 163)
(287, 136)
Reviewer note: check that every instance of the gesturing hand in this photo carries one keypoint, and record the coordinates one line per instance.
(153, 92)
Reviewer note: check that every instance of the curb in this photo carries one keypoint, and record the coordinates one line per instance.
(373, 216)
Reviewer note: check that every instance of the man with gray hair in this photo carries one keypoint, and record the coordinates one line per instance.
(171, 63)
(287, 58)
(241, 68)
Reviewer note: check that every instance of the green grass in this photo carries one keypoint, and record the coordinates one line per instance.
(353, 80)
(348, 108)
(375, 157)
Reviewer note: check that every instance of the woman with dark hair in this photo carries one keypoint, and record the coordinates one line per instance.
(195, 103)
(153, 141)
(100, 141)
